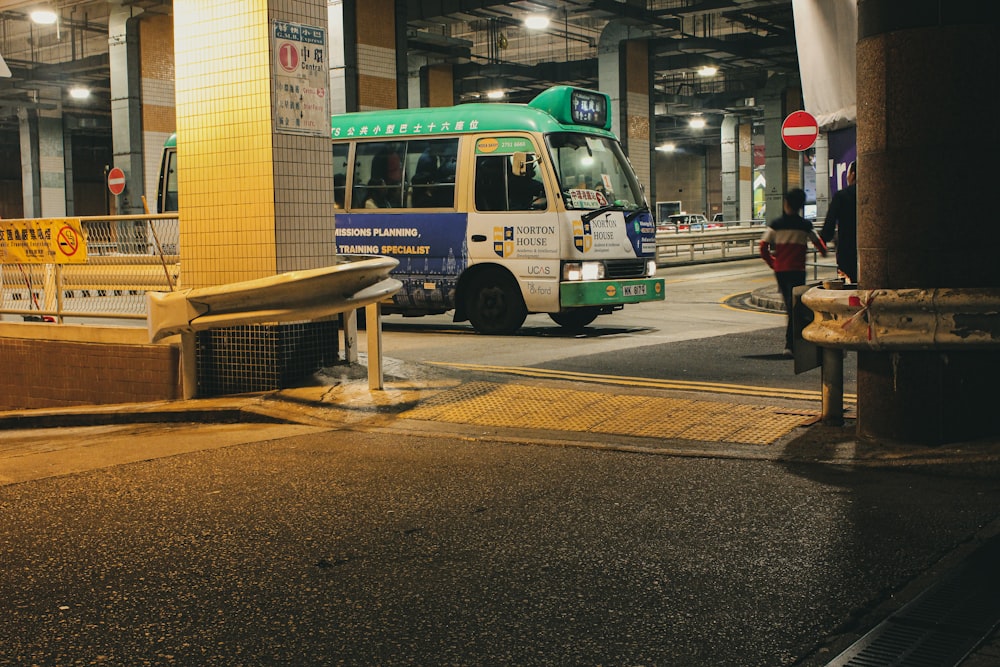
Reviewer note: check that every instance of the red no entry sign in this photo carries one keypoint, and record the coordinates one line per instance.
(116, 181)
(799, 130)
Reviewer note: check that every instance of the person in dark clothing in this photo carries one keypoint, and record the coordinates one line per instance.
(842, 222)
(784, 247)
(525, 192)
(490, 186)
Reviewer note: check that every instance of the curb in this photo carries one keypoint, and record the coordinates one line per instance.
(182, 411)
(767, 298)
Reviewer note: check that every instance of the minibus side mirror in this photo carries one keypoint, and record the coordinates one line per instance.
(519, 163)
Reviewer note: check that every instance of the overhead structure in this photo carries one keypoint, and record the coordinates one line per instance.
(485, 41)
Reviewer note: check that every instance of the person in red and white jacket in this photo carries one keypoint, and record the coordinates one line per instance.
(784, 247)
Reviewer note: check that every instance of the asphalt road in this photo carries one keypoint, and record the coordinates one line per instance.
(693, 335)
(362, 544)
(379, 548)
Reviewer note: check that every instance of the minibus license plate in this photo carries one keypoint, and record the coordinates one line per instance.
(633, 290)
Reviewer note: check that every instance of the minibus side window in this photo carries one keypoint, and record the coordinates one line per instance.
(378, 175)
(168, 203)
(491, 182)
(499, 189)
(339, 174)
(430, 170)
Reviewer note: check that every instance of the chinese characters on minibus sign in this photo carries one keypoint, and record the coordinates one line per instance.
(301, 79)
(42, 241)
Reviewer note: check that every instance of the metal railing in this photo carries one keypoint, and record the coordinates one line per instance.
(126, 256)
(734, 242)
(739, 240)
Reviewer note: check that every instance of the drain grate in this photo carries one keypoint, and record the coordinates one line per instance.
(940, 626)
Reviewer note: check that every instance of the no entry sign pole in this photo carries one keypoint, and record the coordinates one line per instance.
(799, 130)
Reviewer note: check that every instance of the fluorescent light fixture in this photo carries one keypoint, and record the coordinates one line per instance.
(696, 122)
(708, 70)
(43, 16)
(667, 147)
(536, 22)
(79, 92)
(495, 94)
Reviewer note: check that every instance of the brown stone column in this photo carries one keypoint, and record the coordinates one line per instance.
(376, 55)
(159, 108)
(638, 134)
(926, 141)
(439, 84)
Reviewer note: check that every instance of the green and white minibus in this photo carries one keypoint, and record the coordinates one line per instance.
(494, 211)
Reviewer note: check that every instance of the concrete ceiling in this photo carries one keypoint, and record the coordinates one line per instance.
(485, 41)
(489, 46)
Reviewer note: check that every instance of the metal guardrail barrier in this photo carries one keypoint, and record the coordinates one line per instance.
(126, 256)
(729, 243)
(739, 240)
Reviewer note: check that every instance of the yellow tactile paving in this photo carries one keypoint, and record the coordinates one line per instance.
(523, 406)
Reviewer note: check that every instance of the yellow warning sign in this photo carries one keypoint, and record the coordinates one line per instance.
(42, 241)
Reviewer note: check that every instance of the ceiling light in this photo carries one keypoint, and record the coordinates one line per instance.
(44, 16)
(708, 70)
(495, 94)
(536, 22)
(696, 122)
(79, 92)
(667, 147)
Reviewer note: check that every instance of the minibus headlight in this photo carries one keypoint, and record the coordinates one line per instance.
(651, 268)
(573, 271)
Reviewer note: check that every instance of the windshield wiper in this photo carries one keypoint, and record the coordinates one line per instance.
(590, 215)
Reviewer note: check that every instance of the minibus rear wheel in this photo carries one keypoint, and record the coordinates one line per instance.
(494, 304)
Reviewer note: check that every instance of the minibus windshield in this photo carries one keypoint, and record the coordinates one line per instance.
(593, 172)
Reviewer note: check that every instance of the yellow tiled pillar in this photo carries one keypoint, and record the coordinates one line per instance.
(255, 175)
(255, 200)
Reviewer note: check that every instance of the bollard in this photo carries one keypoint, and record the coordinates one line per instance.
(833, 386)
(350, 323)
(833, 375)
(189, 365)
(373, 324)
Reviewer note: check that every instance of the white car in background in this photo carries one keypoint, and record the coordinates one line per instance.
(683, 222)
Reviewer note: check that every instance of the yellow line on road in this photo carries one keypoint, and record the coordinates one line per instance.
(683, 385)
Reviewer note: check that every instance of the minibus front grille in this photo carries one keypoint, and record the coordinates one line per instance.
(616, 269)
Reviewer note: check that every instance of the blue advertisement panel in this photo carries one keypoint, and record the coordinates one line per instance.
(431, 249)
(642, 233)
(843, 148)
